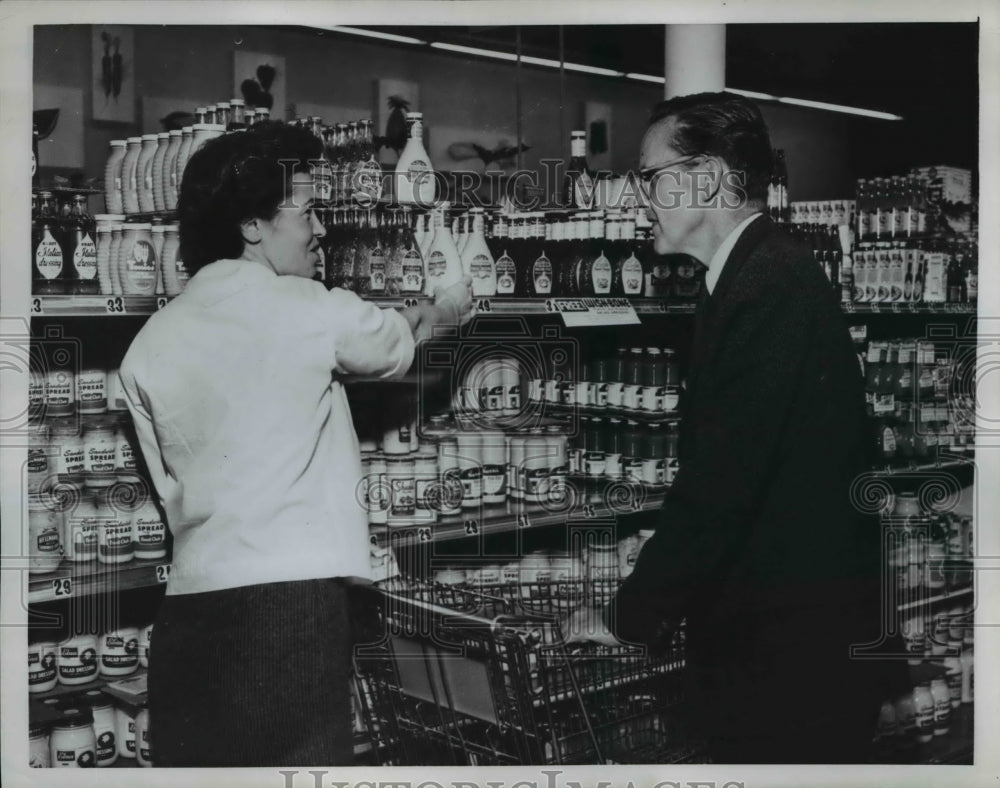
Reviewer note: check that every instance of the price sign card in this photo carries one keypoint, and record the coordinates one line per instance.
(583, 312)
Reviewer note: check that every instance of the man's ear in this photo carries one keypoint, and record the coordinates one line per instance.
(251, 231)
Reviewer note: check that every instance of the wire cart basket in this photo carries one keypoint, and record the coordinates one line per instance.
(483, 677)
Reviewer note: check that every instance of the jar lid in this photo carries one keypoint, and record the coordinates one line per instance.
(647, 531)
(78, 716)
(117, 143)
(149, 137)
(208, 127)
(138, 226)
(134, 140)
(189, 130)
(237, 102)
(414, 115)
(222, 104)
(97, 699)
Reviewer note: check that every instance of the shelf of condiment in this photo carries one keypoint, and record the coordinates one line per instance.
(947, 308)
(948, 462)
(59, 190)
(515, 515)
(69, 580)
(936, 599)
(954, 747)
(72, 690)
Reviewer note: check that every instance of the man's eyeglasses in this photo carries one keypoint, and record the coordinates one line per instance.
(647, 174)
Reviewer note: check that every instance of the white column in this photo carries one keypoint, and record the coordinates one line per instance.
(694, 59)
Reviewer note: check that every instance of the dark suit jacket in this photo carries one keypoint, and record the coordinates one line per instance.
(758, 533)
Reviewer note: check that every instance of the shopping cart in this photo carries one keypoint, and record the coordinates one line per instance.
(465, 676)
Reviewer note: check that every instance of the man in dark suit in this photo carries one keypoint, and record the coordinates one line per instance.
(758, 545)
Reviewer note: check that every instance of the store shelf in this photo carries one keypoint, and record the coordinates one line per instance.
(69, 580)
(949, 462)
(909, 309)
(66, 191)
(946, 596)
(955, 747)
(64, 691)
(95, 305)
(609, 501)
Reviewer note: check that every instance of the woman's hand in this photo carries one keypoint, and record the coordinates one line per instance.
(586, 625)
(456, 301)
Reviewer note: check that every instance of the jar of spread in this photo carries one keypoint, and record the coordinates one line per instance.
(125, 730)
(118, 651)
(535, 468)
(76, 659)
(145, 637)
(98, 445)
(556, 450)
(39, 455)
(113, 500)
(633, 380)
(149, 531)
(39, 755)
(124, 444)
(60, 392)
(80, 527)
(494, 465)
(137, 261)
(91, 390)
(402, 489)
(378, 490)
(470, 468)
(44, 540)
(104, 726)
(72, 742)
(41, 666)
(516, 447)
(143, 748)
(425, 485)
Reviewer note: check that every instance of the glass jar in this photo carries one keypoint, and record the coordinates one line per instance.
(44, 540)
(118, 650)
(125, 730)
(137, 264)
(631, 394)
(654, 452)
(149, 531)
(654, 378)
(402, 489)
(143, 748)
(76, 659)
(42, 666)
(72, 742)
(39, 754)
(39, 456)
(80, 530)
(425, 478)
(91, 390)
(60, 392)
(124, 444)
(113, 500)
(470, 469)
(923, 702)
(98, 445)
(104, 726)
(494, 465)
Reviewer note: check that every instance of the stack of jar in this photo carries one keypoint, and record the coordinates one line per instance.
(83, 657)
(632, 381)
(89, 730)
(139, 259)
(63, 247)
(915, 416)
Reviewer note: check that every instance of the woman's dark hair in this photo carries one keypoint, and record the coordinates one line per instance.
(720, 124)
(238, 176)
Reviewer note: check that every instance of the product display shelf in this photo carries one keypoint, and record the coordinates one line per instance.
(64, 691)
(955, 747)
(70, 580)
(926, 599)
(58, 190)
(615, 500)
(909, 309)
(95, 305)
(945, 463)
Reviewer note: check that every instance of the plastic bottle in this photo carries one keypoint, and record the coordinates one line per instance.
(477, 260)
(443, 265)
(159, 184)
(171, 184)
(131, 175)
(183, 154)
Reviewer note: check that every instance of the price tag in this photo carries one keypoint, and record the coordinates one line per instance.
(471, 527)
(550, 305)
(661, 305)
(161, 302)
(409, 302)
(373, 539)
(37, 306)
(523, 521)
(895, 309)
(62, 587)
(912, 308)
(876, 309)
(423, 534)
(589, 511)
(484, 305)
(583, 312)
(115, 306)
(849, 307)
(162, 573)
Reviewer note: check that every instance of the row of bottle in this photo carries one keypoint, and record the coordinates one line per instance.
(825, 213)
(778, 204)
(929, 552)
(825, 242)
(520, 255)
(908, 369)
(926, 712)
(114, 257)
(892, 208)
(83, 657)
(906, 435)
(94, 519)
(90, 730)
(918, 272)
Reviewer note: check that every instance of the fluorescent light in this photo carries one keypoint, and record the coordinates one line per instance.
(528, 59)
(646, 78)
(868, 113)
(752, 94)
(357, 31)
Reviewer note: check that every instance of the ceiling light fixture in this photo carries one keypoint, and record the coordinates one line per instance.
(528, 59)
(358, 31)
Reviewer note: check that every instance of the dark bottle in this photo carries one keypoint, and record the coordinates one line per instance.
(81, 250)
(972, 274)
(578, 189)
(908, 278)
(558, 249)
(956, 276)
(781, 187)
(47, 253)
(687, 282)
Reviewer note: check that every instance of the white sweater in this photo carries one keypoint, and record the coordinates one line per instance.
(242, 418)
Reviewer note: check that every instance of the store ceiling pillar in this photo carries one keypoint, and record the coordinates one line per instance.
(694, 59)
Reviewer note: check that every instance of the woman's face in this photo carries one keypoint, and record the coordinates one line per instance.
(290, 241)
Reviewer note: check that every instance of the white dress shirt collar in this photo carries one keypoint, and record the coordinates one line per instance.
(718, 260)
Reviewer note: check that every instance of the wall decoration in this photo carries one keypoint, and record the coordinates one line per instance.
(113, 73)
(64, 146)
(393, 99)
(259, 79)
(597, 119)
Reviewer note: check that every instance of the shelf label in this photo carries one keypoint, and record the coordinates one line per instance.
(523, 521)
(849, 307)
(589, 511)
(162, 573)
(115, 306)
(471, 527)
(423, 534)
(875, 308)
(62, 587)
(161, 302)
(409, 302)
(37, 306)
(583, 312)
(484, 305)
